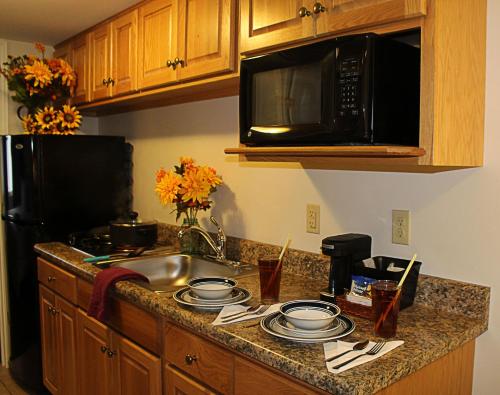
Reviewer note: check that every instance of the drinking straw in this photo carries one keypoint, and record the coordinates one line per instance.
(278, 266)
(398, 292)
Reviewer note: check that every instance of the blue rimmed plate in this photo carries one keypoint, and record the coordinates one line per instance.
(269, 325)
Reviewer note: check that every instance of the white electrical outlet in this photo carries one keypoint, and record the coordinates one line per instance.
(401, 227)
(312, 218)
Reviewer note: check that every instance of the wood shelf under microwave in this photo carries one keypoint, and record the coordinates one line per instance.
(373, 151)
(387, 158)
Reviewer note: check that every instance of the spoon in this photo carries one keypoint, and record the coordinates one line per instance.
(357, 347)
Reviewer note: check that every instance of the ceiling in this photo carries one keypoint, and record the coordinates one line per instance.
(52, 21)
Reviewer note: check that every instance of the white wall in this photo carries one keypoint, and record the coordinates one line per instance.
(455, 216)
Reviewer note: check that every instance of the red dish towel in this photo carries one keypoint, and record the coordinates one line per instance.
(99, 303)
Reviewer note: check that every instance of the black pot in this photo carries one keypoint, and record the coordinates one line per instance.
(133, 233)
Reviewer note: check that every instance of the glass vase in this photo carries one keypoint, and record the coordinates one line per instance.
(190, 242)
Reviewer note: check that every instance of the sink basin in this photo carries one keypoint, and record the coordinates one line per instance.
(167, 273)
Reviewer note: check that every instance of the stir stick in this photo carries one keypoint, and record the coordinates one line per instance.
(278, 266)
(398, 292)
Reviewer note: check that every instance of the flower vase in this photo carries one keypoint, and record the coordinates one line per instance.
(190, 242)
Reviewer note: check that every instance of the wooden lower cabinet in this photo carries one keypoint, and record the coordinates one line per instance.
(177, 383)
(95, 366)
(111, 364)
(58, 333)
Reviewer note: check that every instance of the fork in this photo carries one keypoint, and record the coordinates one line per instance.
(250, 310)
(372, 351)
(262, 309)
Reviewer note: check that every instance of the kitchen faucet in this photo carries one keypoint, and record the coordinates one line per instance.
(218, 246)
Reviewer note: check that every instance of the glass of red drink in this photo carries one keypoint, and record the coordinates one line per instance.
(385, 307)
(270, 278)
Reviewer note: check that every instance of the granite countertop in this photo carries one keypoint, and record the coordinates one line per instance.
(428, 332)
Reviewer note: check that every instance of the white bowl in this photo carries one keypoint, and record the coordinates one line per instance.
(309, 314)
(212, 287)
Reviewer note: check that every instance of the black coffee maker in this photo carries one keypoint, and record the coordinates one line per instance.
(344, 251)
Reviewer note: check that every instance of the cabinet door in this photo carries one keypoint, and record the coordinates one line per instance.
(80, 62)
(157, 42)
(179, 384)
(48, 326)
(124, 58)
(139, 372)
(95, 366)
(100, 66)
(206, 37)
(66, 336)
(63, 52)
(266, 23)
(341, 15)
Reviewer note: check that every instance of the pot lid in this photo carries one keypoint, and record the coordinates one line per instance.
(132, 220)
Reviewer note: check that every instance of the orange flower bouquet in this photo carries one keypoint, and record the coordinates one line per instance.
(188, 186)
(37, 83)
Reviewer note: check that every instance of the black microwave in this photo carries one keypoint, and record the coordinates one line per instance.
(354, 90)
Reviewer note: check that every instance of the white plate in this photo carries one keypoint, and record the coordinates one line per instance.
(182, 297)
(268, 324)
(306, 333)
(236, 294)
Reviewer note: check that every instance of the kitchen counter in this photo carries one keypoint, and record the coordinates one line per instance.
(446, 315)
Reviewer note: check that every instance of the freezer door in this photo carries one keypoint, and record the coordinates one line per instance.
(85, 181)
(21, 198)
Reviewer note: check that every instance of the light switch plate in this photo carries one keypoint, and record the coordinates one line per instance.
(312, 218)
(401, 227)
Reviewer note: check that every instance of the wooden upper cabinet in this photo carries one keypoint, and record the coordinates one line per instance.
(343, 15)
(100, 66)
(63, 52)
(124, 53)
(157, 42)
(206, 37)
(267, 23)
(80, 61)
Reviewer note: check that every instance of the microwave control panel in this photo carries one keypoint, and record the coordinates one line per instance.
(349, 87)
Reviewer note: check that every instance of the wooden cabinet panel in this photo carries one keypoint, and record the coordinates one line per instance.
(100, 66)
(251, 379)
(124, 56)
(139, 372)
(157, 42)
(267, 23)
(95, 367)
(56, 279)
(342, 15)
(199, 358)
(206, 37)
(179, 384)
(66, 336)
(63, 52)
(80, 61)
(48, 327)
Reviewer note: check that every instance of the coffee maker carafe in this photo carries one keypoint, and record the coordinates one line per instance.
(344, 250)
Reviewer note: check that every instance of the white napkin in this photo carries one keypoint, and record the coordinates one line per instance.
(238, 308)
(334, 348)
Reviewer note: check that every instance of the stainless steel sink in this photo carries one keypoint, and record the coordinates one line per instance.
(167, 273)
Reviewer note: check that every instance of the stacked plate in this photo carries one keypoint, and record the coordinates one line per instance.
(211, 293)
(308, 321)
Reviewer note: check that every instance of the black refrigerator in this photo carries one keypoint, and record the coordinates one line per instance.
(52, 186)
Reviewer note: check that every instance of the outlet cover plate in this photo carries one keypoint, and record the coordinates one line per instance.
(401, 227)
(312, 218)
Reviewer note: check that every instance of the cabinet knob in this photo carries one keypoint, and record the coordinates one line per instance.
(169, 63)
(51, 278)
(104, 349)
(178, 61)
(318, 7)
(110, 81)
(111, 353)
(303, 11)
(104, 82)
(190, 359)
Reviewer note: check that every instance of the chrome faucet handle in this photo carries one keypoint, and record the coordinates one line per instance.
(221, 236)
